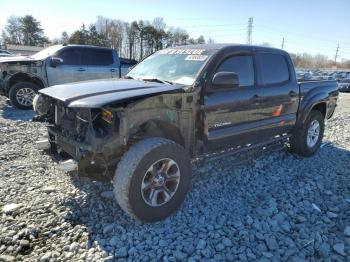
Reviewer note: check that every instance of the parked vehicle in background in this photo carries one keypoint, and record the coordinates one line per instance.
(22, 77)
(344, 85)
(2, 55)
(304, 76)
(5, 53)
(126, 65)
(180, 104)
(324, 77)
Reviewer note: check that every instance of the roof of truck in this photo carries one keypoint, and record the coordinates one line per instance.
(224, 46)
(87, 46)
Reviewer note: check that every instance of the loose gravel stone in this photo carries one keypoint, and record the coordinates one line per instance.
(201, 244)
(261, 210)
(122, 252)
(6, 258)
(324, 250)
(11, 207)
(49, 189)
(339, 248)
(46, 257)
(347, 231)
(107, 194)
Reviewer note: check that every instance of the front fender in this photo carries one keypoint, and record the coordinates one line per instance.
(169, 113)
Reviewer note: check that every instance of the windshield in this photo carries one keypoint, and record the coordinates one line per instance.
(46, 52)
(175, 65)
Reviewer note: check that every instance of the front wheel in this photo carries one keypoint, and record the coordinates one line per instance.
(22, 94)
(307, 140)
(152, 179)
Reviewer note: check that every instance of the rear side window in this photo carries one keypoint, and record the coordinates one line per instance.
(273, 69)
(71, 56)
(242, 66)
(98, 57)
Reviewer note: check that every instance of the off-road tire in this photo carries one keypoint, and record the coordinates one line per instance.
(131, 170)
(14, 90)
(298, 141)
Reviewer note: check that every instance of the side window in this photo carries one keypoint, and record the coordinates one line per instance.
(98, 57)
(242, 66)
(71, 56)
(273, 68)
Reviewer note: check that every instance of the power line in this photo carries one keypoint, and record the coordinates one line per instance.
(209, 25)
(282, 31)
(249, 30)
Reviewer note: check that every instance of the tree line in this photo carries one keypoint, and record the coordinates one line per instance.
(306, 60)
(134, 40)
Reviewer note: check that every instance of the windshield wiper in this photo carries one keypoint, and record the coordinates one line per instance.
(128, 77)
(157, 80)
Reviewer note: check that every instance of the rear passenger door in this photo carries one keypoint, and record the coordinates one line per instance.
(71, 70)
(100, 64)
(280, 92)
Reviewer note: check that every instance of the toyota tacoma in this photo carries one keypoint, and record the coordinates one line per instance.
(181, 104)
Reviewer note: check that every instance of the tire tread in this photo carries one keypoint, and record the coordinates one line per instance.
(126, 168)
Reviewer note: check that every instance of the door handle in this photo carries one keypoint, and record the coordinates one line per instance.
(81, 69)
(113, 70)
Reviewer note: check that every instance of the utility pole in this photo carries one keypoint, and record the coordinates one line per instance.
(336, 55)
(107, 32)
(249, 30)
(282, 45)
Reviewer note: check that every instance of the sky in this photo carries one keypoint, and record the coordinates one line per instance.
(306, 25)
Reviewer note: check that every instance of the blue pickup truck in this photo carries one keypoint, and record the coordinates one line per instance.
(21, 77)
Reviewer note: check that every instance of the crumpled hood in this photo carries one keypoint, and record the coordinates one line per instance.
(16, 59)
(97, 93)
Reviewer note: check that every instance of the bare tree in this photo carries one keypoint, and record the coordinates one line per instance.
(12, 33)
(210, 41)
(159, 24)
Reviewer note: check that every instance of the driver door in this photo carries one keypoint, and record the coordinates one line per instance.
(71, 70)
(233, 114)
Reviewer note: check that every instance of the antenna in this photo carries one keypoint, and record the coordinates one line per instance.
(282, 45)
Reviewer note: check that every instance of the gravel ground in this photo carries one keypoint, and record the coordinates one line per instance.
(278, 207)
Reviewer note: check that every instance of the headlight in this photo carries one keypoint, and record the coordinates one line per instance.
(40, 104)
(107, 116)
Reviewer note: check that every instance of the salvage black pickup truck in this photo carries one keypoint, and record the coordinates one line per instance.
(177, 105)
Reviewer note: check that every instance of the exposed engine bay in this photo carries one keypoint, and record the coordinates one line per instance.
(81, 133)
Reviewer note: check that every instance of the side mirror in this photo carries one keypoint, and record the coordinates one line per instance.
(56, 61)
(225, 80)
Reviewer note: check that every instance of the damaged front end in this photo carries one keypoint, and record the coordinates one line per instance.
(85, 140)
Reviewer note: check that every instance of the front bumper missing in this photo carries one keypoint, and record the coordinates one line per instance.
(68, 165)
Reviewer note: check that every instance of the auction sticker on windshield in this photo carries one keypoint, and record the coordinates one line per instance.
(181, 51)
(196, 57)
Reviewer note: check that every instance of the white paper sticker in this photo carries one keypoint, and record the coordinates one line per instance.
(196, 57)
(181, 51)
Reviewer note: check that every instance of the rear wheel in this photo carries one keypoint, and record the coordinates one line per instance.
(22, 94)
(152, 179)
(307, 140)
